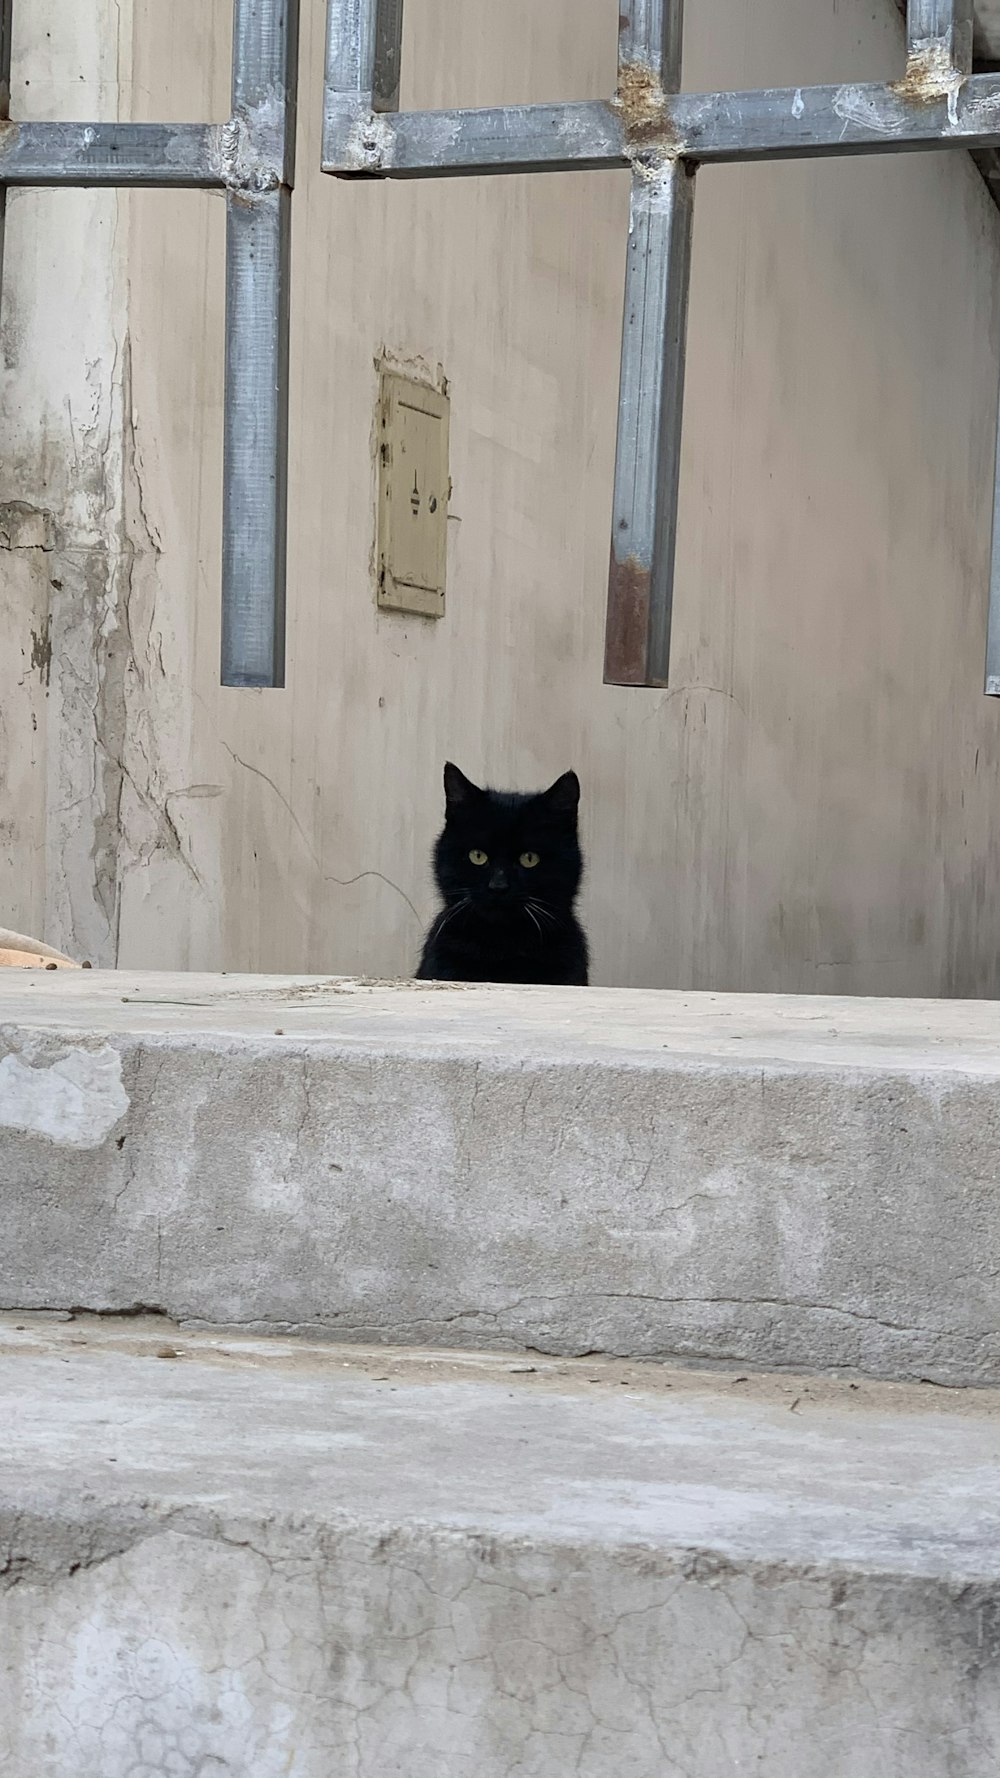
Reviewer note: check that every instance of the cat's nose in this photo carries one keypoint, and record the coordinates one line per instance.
(498, 879)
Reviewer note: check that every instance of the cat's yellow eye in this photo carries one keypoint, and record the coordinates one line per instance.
(478, 857)
(529, 860)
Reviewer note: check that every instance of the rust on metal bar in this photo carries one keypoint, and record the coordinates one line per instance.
(930, 75)
(626, 640)
(641, 103)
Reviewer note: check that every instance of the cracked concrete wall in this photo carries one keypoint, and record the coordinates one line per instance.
(92, 736)
(25, 671)
(61, 560)
(807, 807)
(240, 1647)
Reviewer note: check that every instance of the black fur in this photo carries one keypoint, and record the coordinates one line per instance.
(504, 921)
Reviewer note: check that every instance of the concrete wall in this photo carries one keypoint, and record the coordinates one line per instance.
(808, 806)
(64, 551)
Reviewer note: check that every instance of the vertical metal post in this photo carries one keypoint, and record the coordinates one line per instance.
(650, 409)
(651, 390)
(6, 27)
(363, 51)
(258, 239)
(939, 34)
(650, 32)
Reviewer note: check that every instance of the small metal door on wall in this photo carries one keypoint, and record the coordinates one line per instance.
(661, 135)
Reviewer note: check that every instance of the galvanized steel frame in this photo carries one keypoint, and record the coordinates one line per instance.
(663, 136)
(6, 19)
(251, 159)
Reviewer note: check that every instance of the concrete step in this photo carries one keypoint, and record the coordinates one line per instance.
(239, 1557)
(782, 1181)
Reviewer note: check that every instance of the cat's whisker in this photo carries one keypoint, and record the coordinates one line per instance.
(453, 910)
(531, 916)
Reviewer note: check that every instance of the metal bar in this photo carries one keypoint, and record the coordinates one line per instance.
(650, 407)
(152, 154)
(265, 73)
(789, 123)
(6, 33)
(514, 139)
(938, 39)
(649, 35)
(363, 47)
(782, 123)
(258, 240)
(650, 393)
(387, 66)
(363, 54)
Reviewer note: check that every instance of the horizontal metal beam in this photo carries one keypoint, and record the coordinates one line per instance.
(151, 154)
(515, 139)
(792, 123)
(782, 123)
(250, 154)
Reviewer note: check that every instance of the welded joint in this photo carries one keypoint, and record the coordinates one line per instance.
(643, 105)
(931, 74)
(367, 140)
(369, 145)
(249, 150)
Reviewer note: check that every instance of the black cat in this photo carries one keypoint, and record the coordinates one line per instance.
(508, 869)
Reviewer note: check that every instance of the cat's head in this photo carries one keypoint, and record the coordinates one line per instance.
(499, 850)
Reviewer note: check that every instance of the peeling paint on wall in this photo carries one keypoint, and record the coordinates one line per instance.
(74, 1100)
(26, 527)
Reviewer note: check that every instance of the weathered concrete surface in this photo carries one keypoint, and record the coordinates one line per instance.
(783, 1181)
(245, 1557)
(77, 695)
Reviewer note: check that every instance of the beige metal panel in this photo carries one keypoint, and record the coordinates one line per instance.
(413, 491)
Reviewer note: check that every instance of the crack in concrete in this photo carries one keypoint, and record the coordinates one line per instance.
(325, 876)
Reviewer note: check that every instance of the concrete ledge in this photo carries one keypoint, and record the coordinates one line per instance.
(245, 1558)
(792, 1181)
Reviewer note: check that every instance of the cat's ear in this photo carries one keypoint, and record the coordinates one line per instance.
(459, 790)
(563, 797)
